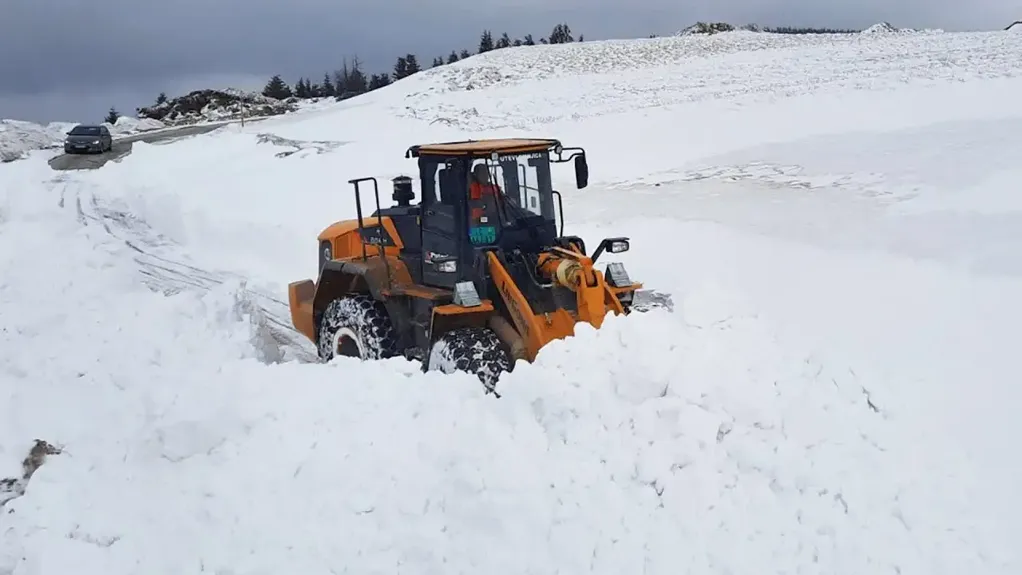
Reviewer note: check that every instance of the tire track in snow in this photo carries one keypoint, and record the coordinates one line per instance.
(165, 267)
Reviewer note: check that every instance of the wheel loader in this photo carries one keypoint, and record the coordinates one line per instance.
(475, 276)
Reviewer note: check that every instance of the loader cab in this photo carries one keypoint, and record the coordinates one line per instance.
(481, 195)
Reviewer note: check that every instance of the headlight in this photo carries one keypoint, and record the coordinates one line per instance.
(326, 253)
(618, 246)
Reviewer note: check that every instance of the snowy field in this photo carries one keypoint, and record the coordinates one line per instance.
(838, 219)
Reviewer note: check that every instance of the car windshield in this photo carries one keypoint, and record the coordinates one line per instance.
(85, 131)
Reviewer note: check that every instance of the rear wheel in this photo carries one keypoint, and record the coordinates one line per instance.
(475, 350)
(356, 326)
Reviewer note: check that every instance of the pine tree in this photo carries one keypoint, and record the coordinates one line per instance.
(465, 54)
(340, 81)
(357, 82)
(161, 98)
(304, 89)
(485, 42)
(438, 62)
(580, 38)
(276, 88)
(378, 81)
(561, 35)
(413, 64)
(328, 87)
(517, 42)
(528, 40)
(401, 68)
(112, 115)
(453, 57)
(504, 42)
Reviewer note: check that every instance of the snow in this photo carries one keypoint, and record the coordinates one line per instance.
(836, 217)
(18, 137)
(126, 125)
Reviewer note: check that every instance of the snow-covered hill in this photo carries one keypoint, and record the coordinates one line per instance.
(836, 217)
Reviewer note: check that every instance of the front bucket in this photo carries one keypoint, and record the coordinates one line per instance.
(645, 300)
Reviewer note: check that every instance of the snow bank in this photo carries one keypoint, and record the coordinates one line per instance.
(887, 29)
(127, 125)
(18, 138)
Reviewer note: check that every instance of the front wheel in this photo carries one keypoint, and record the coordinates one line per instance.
(356, 325)
(475, 350)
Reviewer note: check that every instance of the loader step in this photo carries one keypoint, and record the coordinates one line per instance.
(420, 291)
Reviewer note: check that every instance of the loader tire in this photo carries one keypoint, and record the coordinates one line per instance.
(356, 325)
(475, 350)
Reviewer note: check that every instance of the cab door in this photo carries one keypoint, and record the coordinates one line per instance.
(443, 231)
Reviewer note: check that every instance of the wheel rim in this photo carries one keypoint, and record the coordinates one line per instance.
(347, 343)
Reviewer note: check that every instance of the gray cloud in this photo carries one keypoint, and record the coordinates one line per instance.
(71, 59)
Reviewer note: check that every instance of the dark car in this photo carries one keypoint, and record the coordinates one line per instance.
(86, 138)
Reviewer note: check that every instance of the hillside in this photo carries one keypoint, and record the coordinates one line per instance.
(835, 215)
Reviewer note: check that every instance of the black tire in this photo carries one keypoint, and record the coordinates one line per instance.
(475, 350)
(356, 326)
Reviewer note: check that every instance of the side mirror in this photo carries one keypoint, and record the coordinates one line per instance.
(581, 171)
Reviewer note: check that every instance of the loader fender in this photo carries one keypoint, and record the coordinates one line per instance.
(300, 295)
(342, 277)
(452, 316)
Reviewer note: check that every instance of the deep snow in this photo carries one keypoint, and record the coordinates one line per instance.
(836, 218)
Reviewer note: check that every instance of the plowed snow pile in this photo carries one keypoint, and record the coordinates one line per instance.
(834, 393)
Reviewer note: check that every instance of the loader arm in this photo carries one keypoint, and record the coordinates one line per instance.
(535, 330)
(594, 297)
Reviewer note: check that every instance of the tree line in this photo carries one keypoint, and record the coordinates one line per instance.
(352, 80)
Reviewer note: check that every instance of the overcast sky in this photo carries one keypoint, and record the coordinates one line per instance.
(72, 59)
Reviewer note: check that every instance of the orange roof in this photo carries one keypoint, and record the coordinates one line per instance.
(476, 147)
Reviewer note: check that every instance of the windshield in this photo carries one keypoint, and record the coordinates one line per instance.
(524, 180)
(85, 131)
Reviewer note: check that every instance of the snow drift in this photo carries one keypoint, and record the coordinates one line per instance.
(18, 137)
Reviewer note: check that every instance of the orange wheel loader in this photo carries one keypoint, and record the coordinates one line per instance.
(475, 276)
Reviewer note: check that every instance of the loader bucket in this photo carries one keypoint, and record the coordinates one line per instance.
(645, 300)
